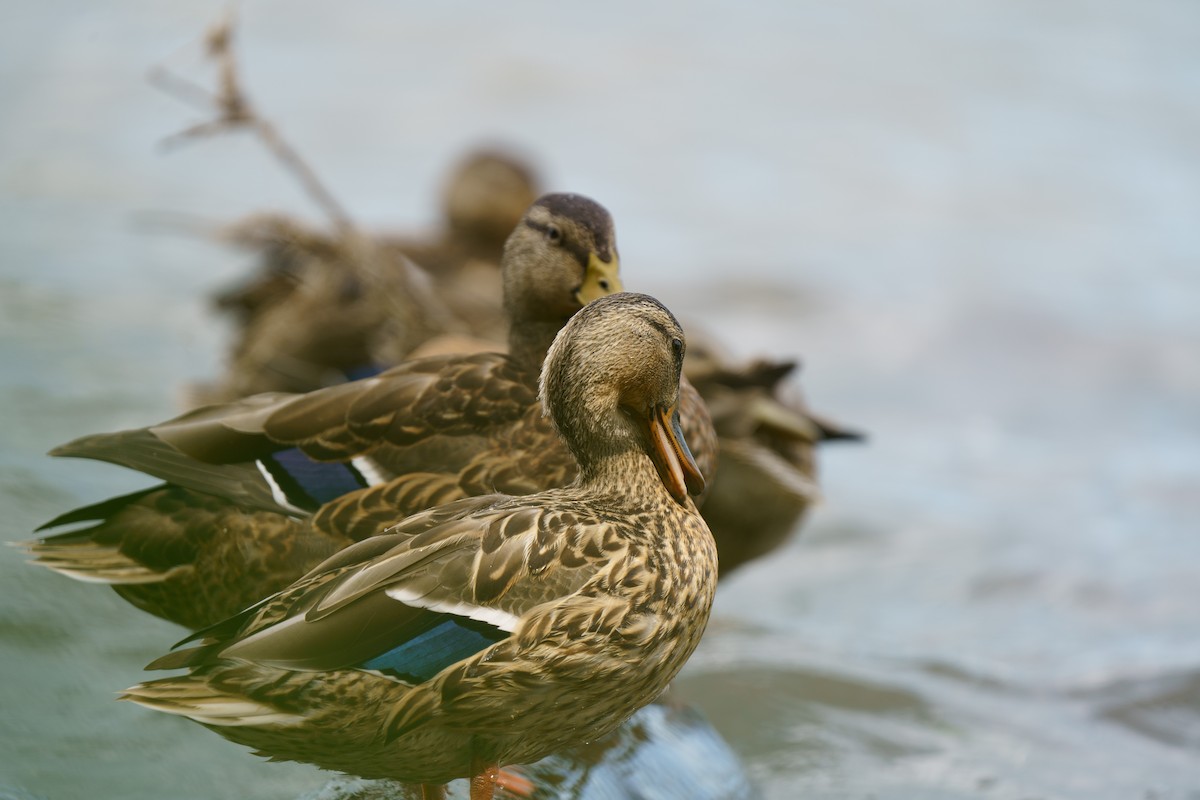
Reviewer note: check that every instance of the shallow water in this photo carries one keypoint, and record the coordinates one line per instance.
(976, 224)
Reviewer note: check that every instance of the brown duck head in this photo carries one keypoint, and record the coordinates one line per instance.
(611, 385)
(561, 256)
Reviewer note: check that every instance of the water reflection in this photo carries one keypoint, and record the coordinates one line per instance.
(666, 751)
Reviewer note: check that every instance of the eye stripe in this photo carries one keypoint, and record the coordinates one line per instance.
(578, 251)
(661, 327)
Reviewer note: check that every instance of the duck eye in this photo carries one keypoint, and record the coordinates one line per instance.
(554, 234)
(677, 346)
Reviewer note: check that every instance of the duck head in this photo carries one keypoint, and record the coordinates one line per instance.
(561, 256)
(610, 383)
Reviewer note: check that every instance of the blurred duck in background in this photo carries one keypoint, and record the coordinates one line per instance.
(766, 476)
(483, 199)
(329, 306)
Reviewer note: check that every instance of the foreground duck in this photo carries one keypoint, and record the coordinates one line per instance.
(494, 630)
(246, 510)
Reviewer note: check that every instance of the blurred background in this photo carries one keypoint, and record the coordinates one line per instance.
(978, 225)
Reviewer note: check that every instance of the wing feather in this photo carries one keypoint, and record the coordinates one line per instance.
(369, 511)
(145, 452)
(369, 599)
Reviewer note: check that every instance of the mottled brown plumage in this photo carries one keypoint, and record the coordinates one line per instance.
(595, 594)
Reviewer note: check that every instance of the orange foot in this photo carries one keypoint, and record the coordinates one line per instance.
(514, 783)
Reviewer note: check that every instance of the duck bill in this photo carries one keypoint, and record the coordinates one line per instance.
(600, 278)
(671, 456)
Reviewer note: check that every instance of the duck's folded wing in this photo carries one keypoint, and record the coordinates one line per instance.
(284, 481)
(366, 512)
(258, 452)
(448, 396)
(411, 602)
(441, 395)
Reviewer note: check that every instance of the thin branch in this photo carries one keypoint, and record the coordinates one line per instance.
(234, 112)
(182, 89)
(197, 131)
(300, 169)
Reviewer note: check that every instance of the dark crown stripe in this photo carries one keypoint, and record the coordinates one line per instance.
(426, 654)
(586, 212)
(309, 484)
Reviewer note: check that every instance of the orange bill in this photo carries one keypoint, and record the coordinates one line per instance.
(672, 458)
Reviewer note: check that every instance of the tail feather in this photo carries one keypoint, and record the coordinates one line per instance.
(834, 432)
(96, 512)
(92, 554)
(194, 698)
(144, 451)
(92, 562)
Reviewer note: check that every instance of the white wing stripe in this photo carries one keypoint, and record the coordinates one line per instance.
(280, 496)
(369, 470)
(492, 616)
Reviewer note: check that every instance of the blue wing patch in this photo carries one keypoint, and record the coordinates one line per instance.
(309, 484)
(362, 371)
(426, 654)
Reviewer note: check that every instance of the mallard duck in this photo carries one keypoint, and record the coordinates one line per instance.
(765, 480)
(247, 510)
(325, 306)
(484, 196)
(320, 316)
(493, 630)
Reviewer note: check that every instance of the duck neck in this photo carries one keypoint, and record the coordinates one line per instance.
(629, 474)
(528, 341)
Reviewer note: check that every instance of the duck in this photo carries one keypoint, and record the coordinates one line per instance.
(328, 306)
(493, 630)
(260, 490)
(764, 486)
(765, 480)
(320, 313)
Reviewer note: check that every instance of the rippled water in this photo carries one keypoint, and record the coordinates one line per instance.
(979, 224)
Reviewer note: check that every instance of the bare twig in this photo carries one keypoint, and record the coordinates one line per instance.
(234, 111)
(182, 89)
(292, 161)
